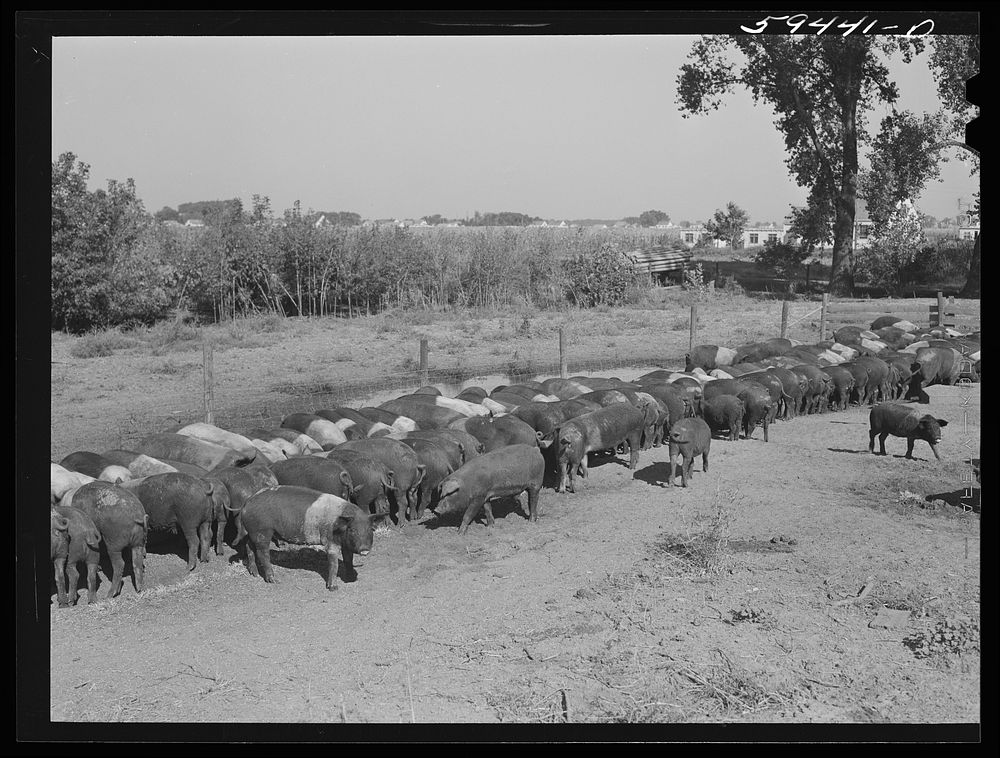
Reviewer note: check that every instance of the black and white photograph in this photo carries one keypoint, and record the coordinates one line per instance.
(540, 376)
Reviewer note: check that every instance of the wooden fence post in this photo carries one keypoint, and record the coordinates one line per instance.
(423, 361)
(822, 317)
(563, 366)
(784, 318)
(208, 381)
(694, 326)
(940, 311)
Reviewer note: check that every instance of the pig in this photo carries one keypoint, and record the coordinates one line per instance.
(212, 433)
(122, 521)
(396, 421)
(95, 465)
(437, 464)
(902, 421)
(303, 443)
(725, 413)
(505, 472)
(843, 386)
(689, 437)
(424, 411)
(303, 516)
(708, 357)
(326, 433)
(603, 429)
(241, 484)
(83, 547)
(402, 461)
(321, 474)
(141, 465)
(59, 541)
(372, 480)
(179, 447)
(496, 432)
(63, 481)
(179, 503)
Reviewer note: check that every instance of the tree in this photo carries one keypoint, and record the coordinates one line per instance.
(902, 162)
(895, 245)
(955, 60)
(436, 219)
(98, 248)
(166, 213)
(728, 226)
(652, 218)
(820, 88)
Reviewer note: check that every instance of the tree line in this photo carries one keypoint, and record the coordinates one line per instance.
(113, 264)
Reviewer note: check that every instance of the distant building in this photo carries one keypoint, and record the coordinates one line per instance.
(197, 222)
(969, 232)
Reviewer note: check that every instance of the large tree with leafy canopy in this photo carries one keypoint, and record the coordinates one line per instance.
(821, 88)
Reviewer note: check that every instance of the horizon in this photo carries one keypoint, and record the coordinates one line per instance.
(560, 128)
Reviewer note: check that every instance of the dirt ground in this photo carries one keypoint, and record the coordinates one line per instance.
(762, 593)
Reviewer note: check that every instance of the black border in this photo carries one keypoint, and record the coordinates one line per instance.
(31, 59)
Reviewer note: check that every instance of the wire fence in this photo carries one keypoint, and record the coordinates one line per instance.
(233, 405)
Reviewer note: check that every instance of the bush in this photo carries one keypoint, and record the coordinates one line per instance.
(946, 260)
(786, 260)
(604, 278)
(100, 344)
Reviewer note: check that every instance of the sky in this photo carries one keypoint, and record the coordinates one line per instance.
(560, 127)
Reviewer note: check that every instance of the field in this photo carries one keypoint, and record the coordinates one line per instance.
(799, 580)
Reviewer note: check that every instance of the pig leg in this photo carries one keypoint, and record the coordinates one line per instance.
(191, 535)
(251, 557)
(487, 506)
(59, 565)
(934, 450)
(673, 463)
(685, 469)
(571, 467)
(881, 442)
(91, 582)
(470, 513)
(633, 457)
(533, 503)
(263, 551)
(220, 531)
(139, 566)
(347, 558)
(704, 461)
(333, 563)
(205, 540)
(73, 578)
(765, 428)
(871, 441)
(117, 572)
(909, 446)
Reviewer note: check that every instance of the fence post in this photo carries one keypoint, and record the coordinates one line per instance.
(694, 326)
(423, 361)
(563, 367)
(940, 311)
(807, 276)
(208, 381)
(822, 318)
(784, 318)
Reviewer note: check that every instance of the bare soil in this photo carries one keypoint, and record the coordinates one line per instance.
(754, 595)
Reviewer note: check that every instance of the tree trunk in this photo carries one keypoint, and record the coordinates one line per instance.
(972, 286)
(842, 268)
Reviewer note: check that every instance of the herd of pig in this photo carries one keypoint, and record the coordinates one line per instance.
(325, 478)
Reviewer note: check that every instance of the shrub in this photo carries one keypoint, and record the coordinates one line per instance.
(604, 278)
(694, 283)
(786, 260)
(100, 344)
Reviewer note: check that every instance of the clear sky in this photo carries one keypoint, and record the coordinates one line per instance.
(552, 126)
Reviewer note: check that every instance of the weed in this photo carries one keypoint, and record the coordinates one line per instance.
(950, 638)
(100, 344)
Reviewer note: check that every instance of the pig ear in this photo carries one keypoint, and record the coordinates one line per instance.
(389, 480)
(346, 479)
(942, 422)
(448, 487)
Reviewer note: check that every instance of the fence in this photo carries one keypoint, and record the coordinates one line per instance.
(215, 393)
(864, 312)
